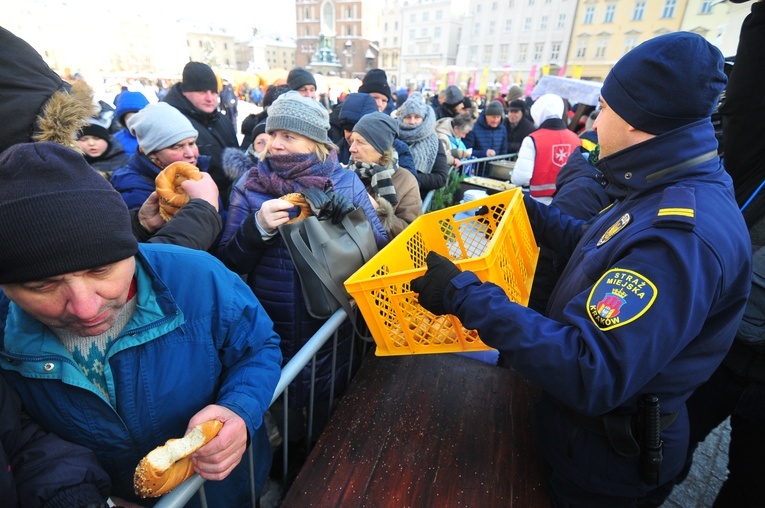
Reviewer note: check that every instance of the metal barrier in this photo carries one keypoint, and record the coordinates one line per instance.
(184, 492)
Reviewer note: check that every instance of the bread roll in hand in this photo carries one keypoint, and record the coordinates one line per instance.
(169, 465)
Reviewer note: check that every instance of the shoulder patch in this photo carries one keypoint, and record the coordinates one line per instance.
(619, 297)
(677, 209)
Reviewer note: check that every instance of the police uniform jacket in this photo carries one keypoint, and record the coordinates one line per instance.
(648, 303)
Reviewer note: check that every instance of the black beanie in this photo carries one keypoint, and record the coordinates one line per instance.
(375, 81)
(57, 215)
(300, 77)
(666, 82)
(198, 77)
(96, 130)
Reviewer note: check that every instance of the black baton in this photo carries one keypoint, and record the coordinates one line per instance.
(651, 445)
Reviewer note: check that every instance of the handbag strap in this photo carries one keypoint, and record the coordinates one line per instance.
(322, 274)
(354, 234)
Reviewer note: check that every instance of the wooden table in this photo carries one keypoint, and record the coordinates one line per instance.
(427, 431)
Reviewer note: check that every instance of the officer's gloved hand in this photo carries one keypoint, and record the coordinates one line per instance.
(339, 206)
(432, 286)
(317, 200)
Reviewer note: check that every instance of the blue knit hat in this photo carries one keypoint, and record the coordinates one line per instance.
(354, 107)
(130, 102)
(666, 82)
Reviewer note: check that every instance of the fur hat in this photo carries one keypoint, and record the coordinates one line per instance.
(494, 108)
(376, 81)
(414, 105)
(130, 102)
(35, 103)
(198, 77)
(302, 115)
(299, 77)
(90, 226)
(642, 87)
(378, 129)
(454, 96)
(159, 126)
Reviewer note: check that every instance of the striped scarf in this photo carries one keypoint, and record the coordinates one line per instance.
(378, 178)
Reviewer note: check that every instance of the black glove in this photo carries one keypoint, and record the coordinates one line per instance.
(339, 206)
(432, 286)
(317, 201)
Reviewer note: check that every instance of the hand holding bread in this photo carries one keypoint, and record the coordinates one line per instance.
(168, 182)
(169, 465)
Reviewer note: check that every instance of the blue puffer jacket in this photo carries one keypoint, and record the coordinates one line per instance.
(193, 340)
(273, 279)
(136, 180)
(483, 138)
(649, 303)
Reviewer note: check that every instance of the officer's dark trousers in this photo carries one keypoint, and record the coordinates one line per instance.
(726, 394)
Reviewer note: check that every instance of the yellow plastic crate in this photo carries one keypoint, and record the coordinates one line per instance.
(498, 246)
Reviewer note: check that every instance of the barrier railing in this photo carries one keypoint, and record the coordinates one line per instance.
(195, 485)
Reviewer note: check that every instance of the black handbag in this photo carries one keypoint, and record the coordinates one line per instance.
(325, 255)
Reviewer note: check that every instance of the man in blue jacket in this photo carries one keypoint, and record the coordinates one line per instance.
(651, 298)
(489, 135)
(119, 347)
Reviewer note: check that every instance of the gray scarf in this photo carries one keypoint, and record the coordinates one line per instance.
(422, 140)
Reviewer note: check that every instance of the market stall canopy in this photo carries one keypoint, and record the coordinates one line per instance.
(577, 91)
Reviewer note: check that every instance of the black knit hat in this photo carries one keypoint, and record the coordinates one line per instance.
(57, 215)
(198, 77)
(300, 77)
(376, 81)
(93, 129)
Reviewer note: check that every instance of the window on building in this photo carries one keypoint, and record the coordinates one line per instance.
(581, 48)
(200, 44)
(386, 26)
(589, 15)
(491, 26)
(395, 25)
(424, 32)
(630, 41)
(487, 52)
(531, 2)
(436, 48)
(508, 25)
(523, 50)
(395, 41)
(601, 47)
(639, 12)
(494, 6)
(413, 18)
(511, 3)
(561, 21)
(348, 12)
(555, 51)
(539, 48)
(473, 54)
(412, 33)
(668, 11)
(437, 32)
(543, 23)
(527, 24)
(476, 28)
(504, 52)
(384, 60)
(225, 46)
(425, 16)
(307, 13)
(706, 7)
(439, 14)
(610, 11)
(349, 30)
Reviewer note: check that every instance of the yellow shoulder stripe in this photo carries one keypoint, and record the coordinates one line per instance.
(685, 212)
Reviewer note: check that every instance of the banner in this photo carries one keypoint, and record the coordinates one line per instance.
(530, 81)
(546, 70)
(471, 86)
(576, 72)
(505, 84)
(484, 80)
(562, 72)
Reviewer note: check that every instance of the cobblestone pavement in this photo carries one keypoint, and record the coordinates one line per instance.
(707, 474)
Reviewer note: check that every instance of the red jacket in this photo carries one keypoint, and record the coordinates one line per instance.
(553, 148)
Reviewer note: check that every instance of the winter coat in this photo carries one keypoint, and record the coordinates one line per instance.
(272, 278)
(649, 303)
(128, 141)
(483, 137)
(135, 181)
(37, 468)
(449, 141)
(515, 135)
(216, 132)
(197, 337)
(113, 158)
(397, 217)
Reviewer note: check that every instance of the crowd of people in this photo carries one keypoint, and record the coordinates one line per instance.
(121, 328)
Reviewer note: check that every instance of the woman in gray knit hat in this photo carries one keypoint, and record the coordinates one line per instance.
(297, 156)
(417, 127)
(393, 189)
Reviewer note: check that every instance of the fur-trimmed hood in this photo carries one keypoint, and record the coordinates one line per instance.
(236, 163)
(35, 103)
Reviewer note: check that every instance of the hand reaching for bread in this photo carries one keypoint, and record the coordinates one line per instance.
(168, 182)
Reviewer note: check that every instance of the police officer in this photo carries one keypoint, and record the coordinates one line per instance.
(650, 300)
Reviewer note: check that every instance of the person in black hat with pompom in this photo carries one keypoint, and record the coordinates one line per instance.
(652, 294)
(197, 98)
(375, 83)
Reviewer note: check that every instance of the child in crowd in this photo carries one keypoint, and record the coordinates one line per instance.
(103, 153)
